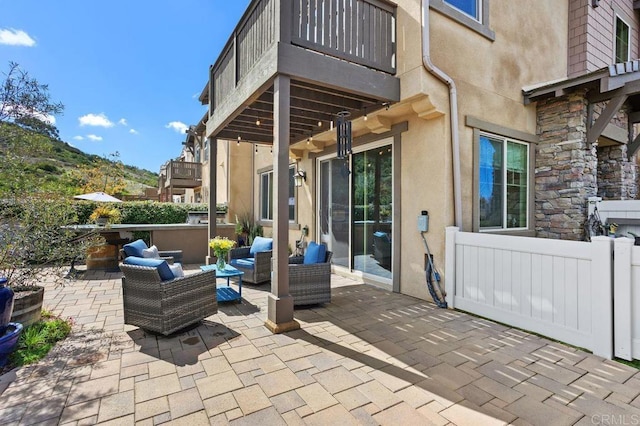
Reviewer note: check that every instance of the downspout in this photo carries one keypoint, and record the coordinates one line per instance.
(453, 102)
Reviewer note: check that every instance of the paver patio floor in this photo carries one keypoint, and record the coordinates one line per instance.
(369, 357)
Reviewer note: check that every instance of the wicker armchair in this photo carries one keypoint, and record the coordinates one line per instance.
(310, 284)
(166, 306)
(257, 273)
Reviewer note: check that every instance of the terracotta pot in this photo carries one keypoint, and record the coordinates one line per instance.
(27, 307)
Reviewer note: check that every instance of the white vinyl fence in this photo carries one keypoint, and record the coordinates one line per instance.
(561, 289)
(626, 302)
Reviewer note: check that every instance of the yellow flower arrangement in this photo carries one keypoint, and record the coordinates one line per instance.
(221, 247)
(111, 214)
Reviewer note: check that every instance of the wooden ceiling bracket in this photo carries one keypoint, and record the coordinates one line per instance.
(613, 106)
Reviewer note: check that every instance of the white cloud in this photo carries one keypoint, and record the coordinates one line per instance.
(178, 126)
(99, 120)
(123, 122)
(133, 131)
(94, 138)
(23, 111)
(16, 38)
(78, 138)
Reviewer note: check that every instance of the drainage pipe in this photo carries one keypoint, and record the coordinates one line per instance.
(453, 103)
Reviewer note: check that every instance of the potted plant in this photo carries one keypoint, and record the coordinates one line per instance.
(105, 214)
(246, 230)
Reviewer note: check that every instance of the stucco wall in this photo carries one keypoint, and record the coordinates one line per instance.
(489, 75)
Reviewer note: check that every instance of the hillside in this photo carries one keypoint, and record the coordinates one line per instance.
(67, 156)
(50, 168)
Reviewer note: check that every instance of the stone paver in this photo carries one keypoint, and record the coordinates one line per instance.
(369, 357)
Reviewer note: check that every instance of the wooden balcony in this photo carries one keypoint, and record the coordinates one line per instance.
(340, 55)
(182, 174)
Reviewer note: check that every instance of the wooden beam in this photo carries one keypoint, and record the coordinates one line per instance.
(331, 72)
(632, 148)
(594, 131)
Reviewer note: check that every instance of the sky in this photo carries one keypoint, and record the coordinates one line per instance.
(129, 72)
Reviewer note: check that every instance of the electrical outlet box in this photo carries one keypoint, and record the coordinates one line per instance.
(423, 221)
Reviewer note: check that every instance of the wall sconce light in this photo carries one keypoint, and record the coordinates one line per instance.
(299, 177)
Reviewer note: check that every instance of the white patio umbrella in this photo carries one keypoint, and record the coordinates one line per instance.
(98, 196)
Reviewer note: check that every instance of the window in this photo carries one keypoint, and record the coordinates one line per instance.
(197, 153)
(470, 7)
(503, 183)
(473, 14)
(622, 41)
(266, 195)
(206, 150)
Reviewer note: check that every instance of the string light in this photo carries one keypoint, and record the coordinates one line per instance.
(239, 139)
(365, 113)
(258, 122)
(319, 123)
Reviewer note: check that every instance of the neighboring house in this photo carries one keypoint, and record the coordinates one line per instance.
(439, 122)
(587, 120)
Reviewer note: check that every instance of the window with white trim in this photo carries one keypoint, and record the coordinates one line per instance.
(473, 8)
(623, 42)
(266, 195)
(503, 183)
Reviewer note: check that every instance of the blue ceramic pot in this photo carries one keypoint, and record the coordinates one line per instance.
(9, 341)
(6, 305)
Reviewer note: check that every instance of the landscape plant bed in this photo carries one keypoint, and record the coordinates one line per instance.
(38, 339)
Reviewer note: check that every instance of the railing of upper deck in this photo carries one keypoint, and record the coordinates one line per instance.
(184, 170)
(358, 31)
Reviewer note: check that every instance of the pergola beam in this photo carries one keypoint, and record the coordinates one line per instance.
(594, 131)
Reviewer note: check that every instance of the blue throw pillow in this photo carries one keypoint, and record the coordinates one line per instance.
(316, 253)
(261, 244)
(135, 248)
(163, 267)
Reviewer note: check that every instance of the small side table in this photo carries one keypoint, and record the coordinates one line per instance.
(226, 294)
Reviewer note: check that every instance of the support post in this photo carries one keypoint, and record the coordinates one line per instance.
(622, 299)
(213, 194)
(280, 303)
(602, 296)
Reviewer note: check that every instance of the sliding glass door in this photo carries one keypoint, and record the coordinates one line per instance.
(334, 209)
(355, 209)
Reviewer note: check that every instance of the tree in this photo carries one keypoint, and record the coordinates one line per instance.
(25, 106)
(23, 97)
(105, 175)
(32, 224)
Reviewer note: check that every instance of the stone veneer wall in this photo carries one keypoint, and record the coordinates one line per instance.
(566, 168)
(616, 174)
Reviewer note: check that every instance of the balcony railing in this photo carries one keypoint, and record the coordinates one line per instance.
(183, 170)
(358, 31)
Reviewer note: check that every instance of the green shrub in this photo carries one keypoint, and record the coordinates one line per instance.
(37, 339)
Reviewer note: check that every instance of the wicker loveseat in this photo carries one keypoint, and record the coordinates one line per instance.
(310, 284)
(166, 306)
(254, 261)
